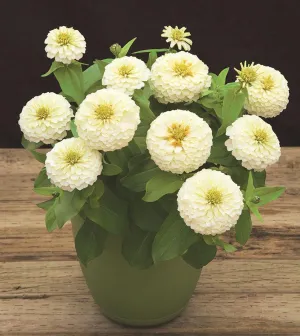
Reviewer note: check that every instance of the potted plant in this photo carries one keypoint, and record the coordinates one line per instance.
(156, 165)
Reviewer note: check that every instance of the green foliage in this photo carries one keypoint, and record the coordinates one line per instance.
(243, 227)
(137, 247)
(31, 147)
(42, 179)
(160, 184)
(89, 241)
(142, 169)
(151, 50)
(151, 59)
(70, 79)
(74, 128)
(268, 194)
(216, 240)
(125, 49)
(54, 66)
(219, 153)
(232, 107)
(146, 114)
(111, 212)
(147, 216)
(173, 238)
(65, 206)
(47, 204)
(200, 254)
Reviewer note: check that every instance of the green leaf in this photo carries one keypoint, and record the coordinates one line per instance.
(54, 66)
(259, 178)
(70, 78)
(119, 157)
(42, 179)
(254, 209)
(200, 254)
(101, 67)
(137, 248)
(146, 215)
(74, 128)
(139, 175)
(221, 80)
(92, 76)
(219, 153)
(249, 194)
(238, 174)
(268, 194)
(146, 114)
(173, 238)
(150, 50)
(151, 59)
(47, 204)
(66, 206)
(110, 169)
(219, 242)
(96, 194)
(243, 227)
(161, 183)
(209, 240)
(232, 106)
(126, 48)
(47, 191)
(89, 241)
(31, 147)
(111, 214)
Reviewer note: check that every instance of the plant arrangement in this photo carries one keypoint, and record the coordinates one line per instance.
(163, 153)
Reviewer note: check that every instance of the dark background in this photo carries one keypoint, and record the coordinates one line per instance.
(224, 34)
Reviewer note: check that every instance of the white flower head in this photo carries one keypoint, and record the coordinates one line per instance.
(177, 36)
(46, 118)
(179, 77)
(253, 141)
(268, 96)
(71, 164)
(210, 202)
(179, 141)
(65, 44)
(107, 119)
(127, 74)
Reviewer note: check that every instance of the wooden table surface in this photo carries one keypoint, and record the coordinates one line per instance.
(255, 291)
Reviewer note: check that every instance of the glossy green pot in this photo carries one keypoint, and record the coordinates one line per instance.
(138, 297)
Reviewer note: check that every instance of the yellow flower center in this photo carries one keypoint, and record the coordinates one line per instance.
(72, 157)
(248, 74)
(183, 68)
(104, 112)
(125, 70)
(42, 113)
(177, 133)
(260, 136)
(214, 196)
(268, 83)
(177, 34)
(63, 39)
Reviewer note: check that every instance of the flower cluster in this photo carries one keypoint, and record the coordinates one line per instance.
(166, 128)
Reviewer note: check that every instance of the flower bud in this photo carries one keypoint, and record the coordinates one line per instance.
(115, 49)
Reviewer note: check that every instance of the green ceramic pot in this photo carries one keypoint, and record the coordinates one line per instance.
(138, 297)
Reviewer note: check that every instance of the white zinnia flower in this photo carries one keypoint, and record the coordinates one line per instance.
(71, 164)
(268, 96)
(253, 141)
(268, 91)
(46, 118)
(65, 45)
(107, 119)
(126, 74)
(179, 77)
(210, 202)
(179, 141)
(177, 36)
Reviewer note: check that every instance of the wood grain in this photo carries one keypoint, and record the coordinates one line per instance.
(255, 291)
